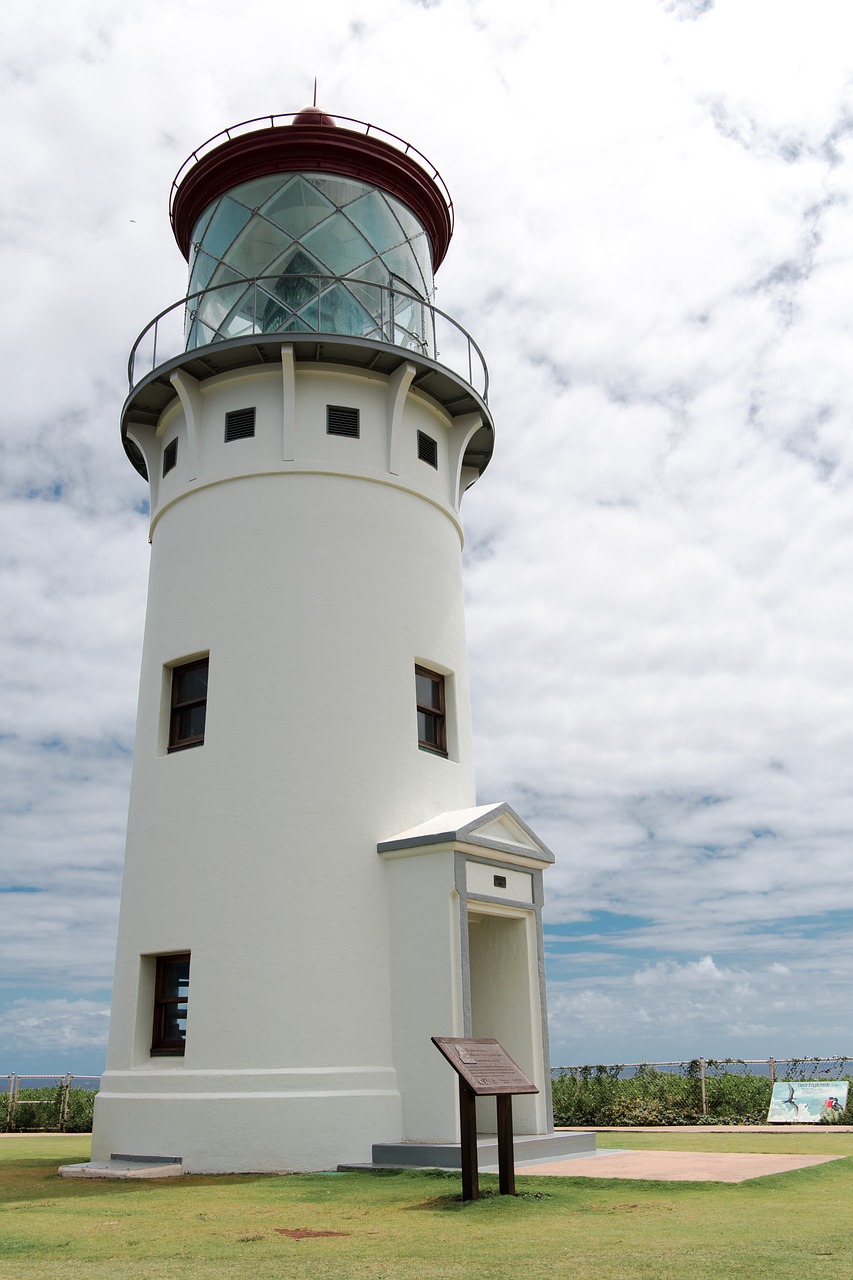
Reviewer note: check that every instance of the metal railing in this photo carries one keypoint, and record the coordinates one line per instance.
(283, 120)
(323, 306)
(54, 1092)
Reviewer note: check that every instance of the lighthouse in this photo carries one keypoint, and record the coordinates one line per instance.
(310, 889)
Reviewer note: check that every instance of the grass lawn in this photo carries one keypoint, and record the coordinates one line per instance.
(816, 1140)
(413, 1226)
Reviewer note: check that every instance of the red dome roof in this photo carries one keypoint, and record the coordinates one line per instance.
(312, 142)
(313, 115)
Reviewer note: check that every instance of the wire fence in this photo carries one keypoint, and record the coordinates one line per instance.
(631, 1092)
(701, 1090)
(57, 1102)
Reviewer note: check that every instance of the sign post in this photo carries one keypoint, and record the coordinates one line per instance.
(485, 1069)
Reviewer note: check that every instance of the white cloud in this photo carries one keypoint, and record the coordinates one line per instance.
(653, 250)
(54, 1026)
(671, 1010)
(699, 973)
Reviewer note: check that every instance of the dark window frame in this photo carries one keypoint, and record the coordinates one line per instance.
(435, 712)
(178, 705)
(160, 1043)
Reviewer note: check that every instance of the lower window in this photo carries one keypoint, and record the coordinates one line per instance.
(171, 992)
(432, 718)
(189, 704)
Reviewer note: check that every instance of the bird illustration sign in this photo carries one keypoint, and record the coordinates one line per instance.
(806, 1101)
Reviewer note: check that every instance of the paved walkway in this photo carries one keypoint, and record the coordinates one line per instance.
(672, 1166)
(711, 1129)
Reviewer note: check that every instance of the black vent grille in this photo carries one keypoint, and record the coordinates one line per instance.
(427, 449)
(239, 424)
(341, 421)
(170, 455)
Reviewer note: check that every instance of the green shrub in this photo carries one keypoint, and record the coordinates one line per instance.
(651, 1111)
(585, 1098)
(734, 1098)
(597, 1096)
(42, 1109)
(81, 1106)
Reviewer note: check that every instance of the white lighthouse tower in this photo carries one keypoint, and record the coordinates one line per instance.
(310, 891)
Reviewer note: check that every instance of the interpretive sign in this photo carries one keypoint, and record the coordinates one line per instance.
(484, 1065)
(806, 1101)
(485, 1069)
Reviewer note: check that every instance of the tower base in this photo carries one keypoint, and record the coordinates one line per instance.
(234, 1122)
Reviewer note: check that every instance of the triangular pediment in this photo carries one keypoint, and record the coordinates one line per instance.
(506, 830)
(493, 826)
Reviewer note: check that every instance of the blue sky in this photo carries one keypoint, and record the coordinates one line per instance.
(654, 249)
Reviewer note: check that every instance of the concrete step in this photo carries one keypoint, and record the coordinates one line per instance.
(528, 1149)
(125, 1167)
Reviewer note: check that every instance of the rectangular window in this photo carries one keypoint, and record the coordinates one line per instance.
(427, 449)
(239, 424)
(341, 421)
(432, 721)
(189, 705)
(170, 455)
(171, 991)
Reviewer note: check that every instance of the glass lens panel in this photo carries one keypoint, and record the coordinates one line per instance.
(374, 270)
(253, 194)
(201, 334)
(375, 303)
(203, 268)
(299, 324)
(340, 313)
(295, 291)
(228, 219)
(242, 318)
(405, 217)
(337, 243)
(375, 219)
(271, 313)
(298, 208)
(257, 245)
(339, 190)
(301, 264)
(224, 275)
(402, 262)
(423, 256)
(409, 323)
(215, 305)
(201, 226)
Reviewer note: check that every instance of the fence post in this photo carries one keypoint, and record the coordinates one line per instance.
(771, 1067)
(702, 1086)
(9, 1103)
(66, 1097)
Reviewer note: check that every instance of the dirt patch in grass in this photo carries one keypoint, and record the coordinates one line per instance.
(305, 1233)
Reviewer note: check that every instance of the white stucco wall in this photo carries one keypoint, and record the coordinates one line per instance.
(315, 585)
